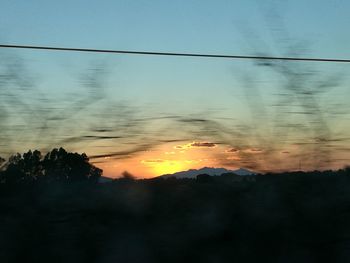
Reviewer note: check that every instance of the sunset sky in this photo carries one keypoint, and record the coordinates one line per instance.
(155, 115)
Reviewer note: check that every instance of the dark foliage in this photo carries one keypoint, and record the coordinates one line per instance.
(57, 165)
(290, 217)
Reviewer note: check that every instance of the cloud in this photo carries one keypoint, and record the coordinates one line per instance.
(253, 150)
(203, 144)
(150, 161)
(95, 137)
(234, 158)
(179, 146)
(232, 150)
(196, 145)
(121, 154)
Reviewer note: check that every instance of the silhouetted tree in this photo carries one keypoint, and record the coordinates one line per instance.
(32, 165)
(23, 168)
(57, 165)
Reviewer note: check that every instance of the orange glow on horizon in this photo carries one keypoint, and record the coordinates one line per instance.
(164, 159)
(168, 167)
(170, 158)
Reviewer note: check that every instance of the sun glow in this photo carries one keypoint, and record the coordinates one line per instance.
(168, 167)
(160, 167)
(170, 158)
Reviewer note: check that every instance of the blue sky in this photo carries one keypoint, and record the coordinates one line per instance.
(184, 26)
(162, 86)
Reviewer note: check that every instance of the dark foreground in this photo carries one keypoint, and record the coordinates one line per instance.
(272, 218)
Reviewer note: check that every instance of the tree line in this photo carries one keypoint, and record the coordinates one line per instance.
(56, 165)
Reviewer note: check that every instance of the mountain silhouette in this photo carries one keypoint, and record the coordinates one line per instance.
(192, 173)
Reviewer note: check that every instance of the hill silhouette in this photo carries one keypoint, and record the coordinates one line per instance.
(192, 173)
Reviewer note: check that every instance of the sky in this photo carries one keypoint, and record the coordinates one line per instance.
(155, 115)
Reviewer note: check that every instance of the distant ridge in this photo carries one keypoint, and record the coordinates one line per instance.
(192, 173)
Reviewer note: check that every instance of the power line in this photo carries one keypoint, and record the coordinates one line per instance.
(132, 52)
